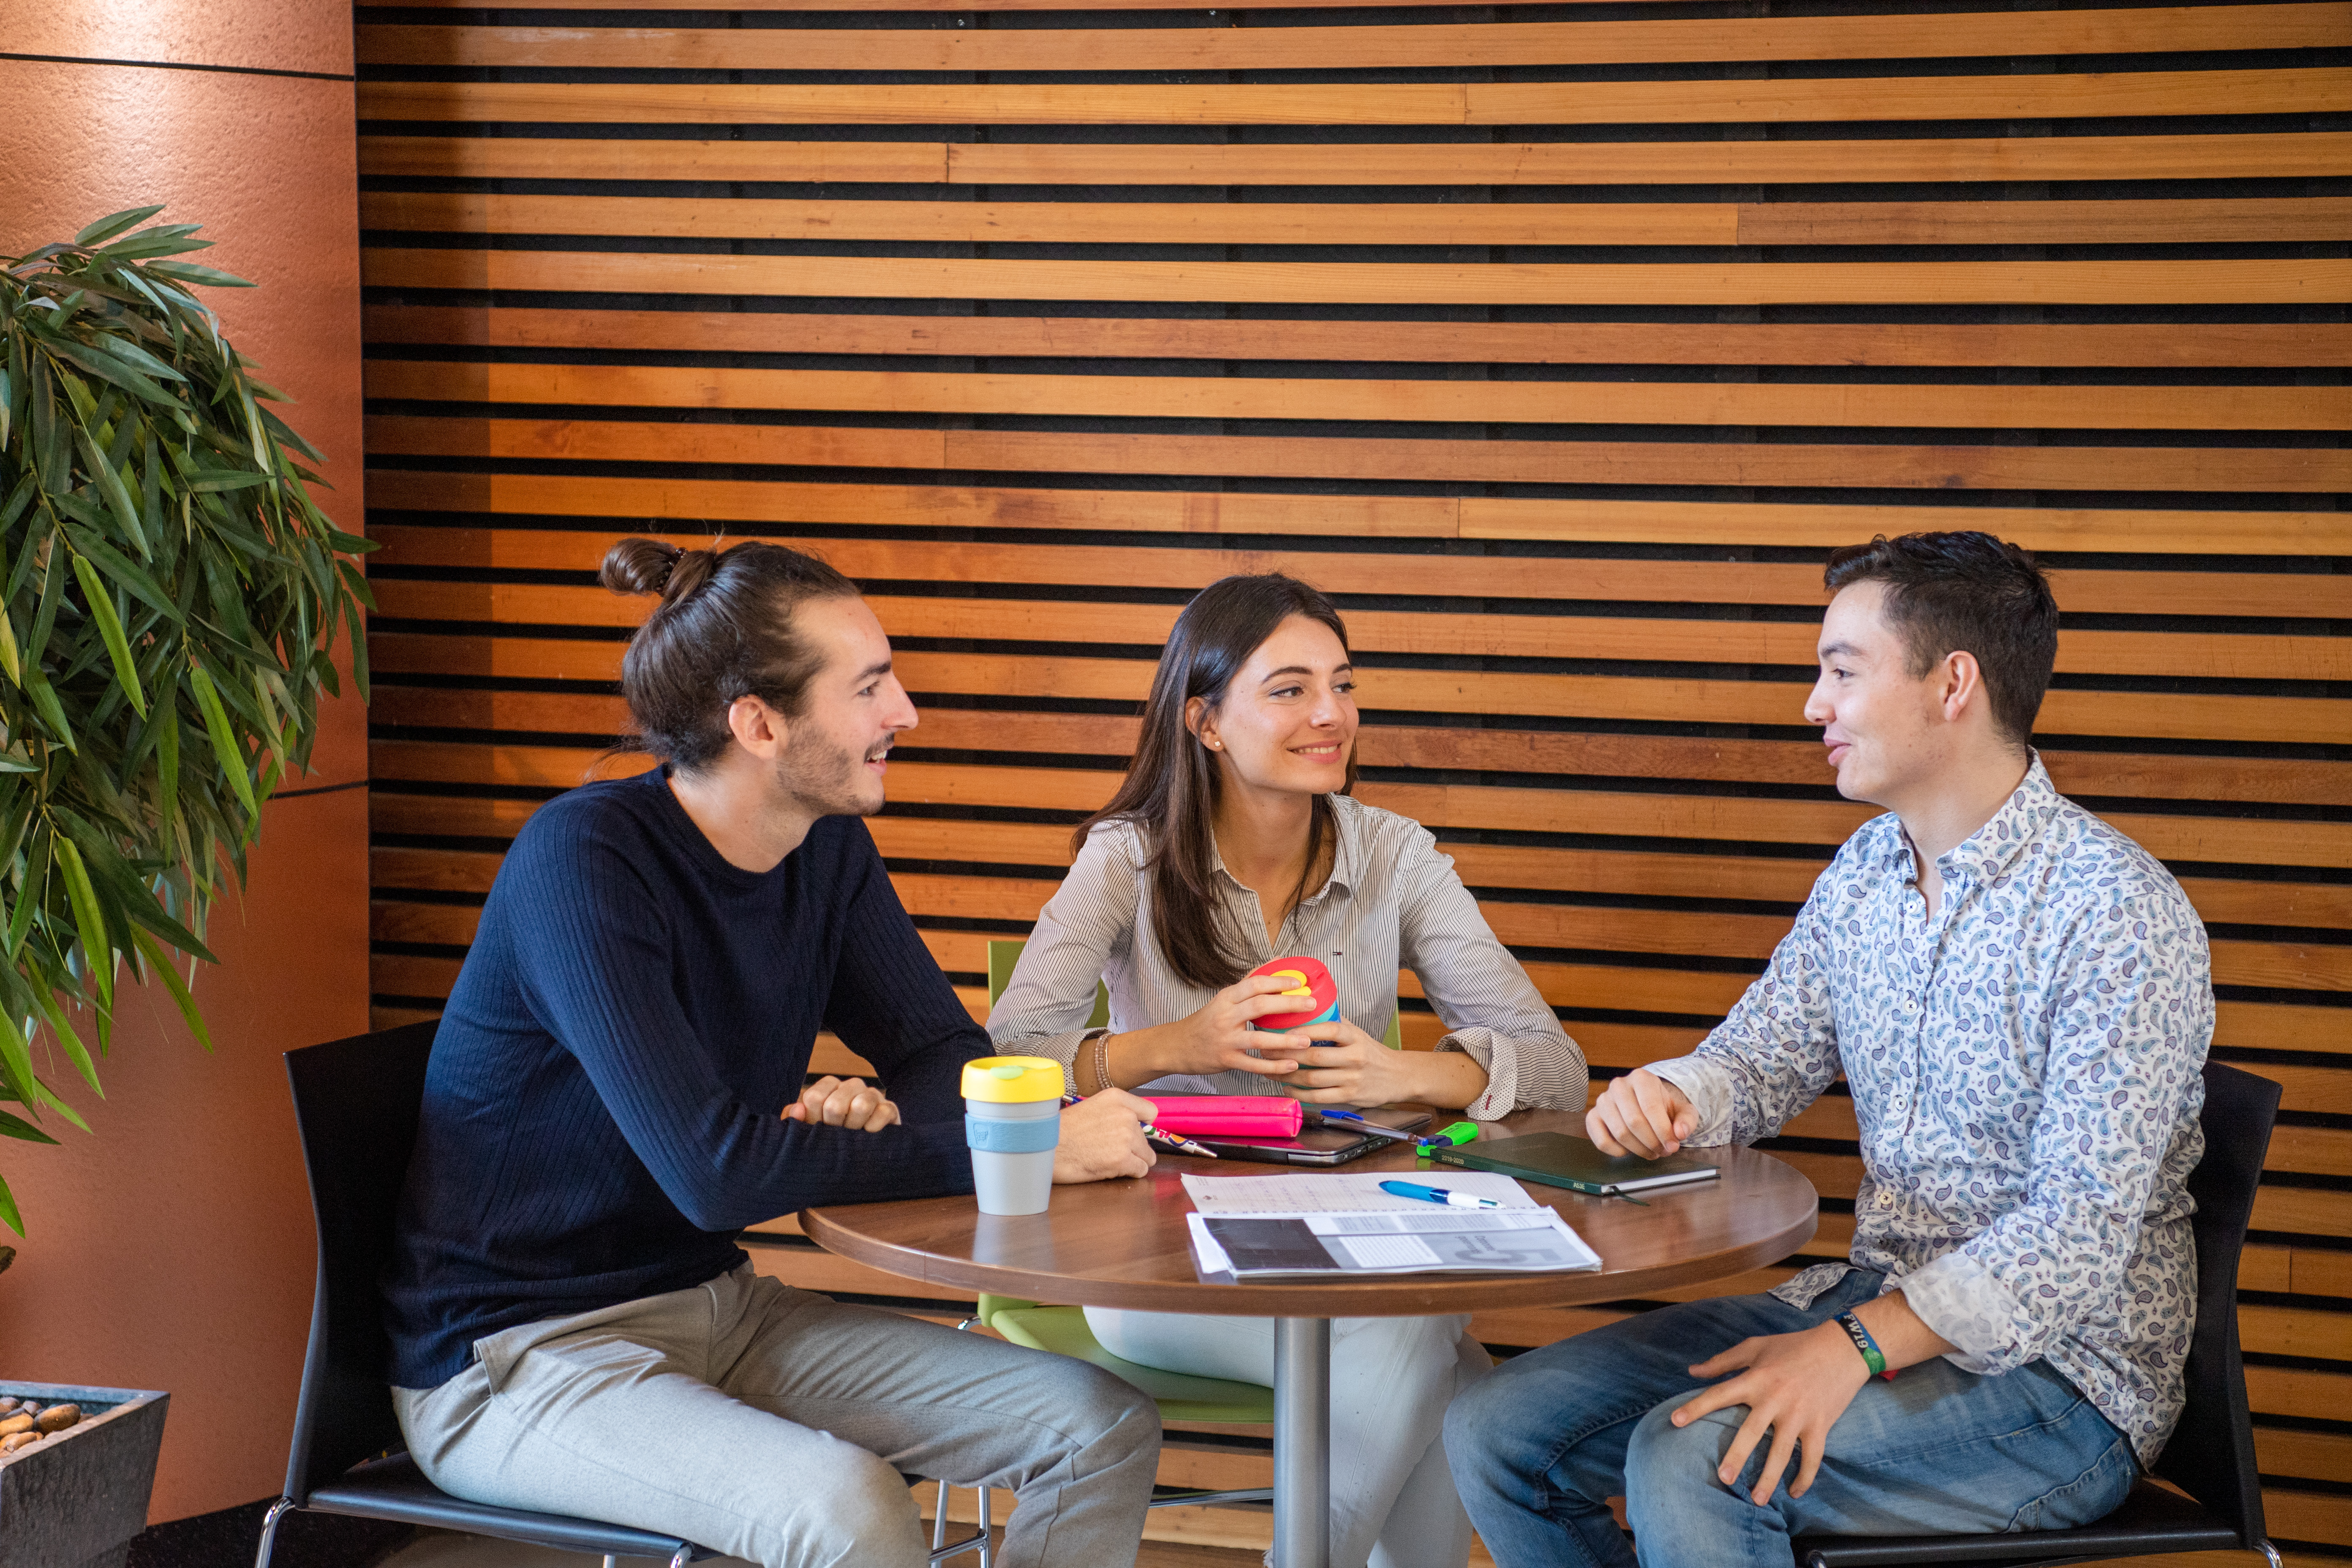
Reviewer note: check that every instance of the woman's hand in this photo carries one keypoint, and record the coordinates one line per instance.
(848, 1102)
(1339, 1064)
(1218, 1037)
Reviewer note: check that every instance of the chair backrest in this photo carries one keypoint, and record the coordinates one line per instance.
(357, 1104)
(2211, 1454)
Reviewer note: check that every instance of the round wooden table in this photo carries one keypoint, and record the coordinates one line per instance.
(1125, 1243)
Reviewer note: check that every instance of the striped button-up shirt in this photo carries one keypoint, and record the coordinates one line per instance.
(2025, 1071)
(1393, 900)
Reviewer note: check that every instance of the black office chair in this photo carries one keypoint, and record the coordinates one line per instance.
(2211, 1454)
(356, 1102)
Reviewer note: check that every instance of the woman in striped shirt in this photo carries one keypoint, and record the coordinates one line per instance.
(1232, 841)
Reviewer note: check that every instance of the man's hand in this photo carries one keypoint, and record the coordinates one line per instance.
(848, 1102)
(1796, 1386)
(1641, 1113)
(1102, 1138)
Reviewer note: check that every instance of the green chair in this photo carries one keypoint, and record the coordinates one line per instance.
(1063, 1330)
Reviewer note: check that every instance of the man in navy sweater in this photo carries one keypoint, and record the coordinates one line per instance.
(616, 1090)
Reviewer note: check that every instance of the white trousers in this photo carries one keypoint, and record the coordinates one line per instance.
(1392, 1499)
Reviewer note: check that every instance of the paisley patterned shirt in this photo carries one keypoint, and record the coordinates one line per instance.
(2025, 1067)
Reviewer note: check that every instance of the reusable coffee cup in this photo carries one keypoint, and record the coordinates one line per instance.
(1011, 1120)
(1317, 992)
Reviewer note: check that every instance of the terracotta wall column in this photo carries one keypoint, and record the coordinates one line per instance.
(172, 1250)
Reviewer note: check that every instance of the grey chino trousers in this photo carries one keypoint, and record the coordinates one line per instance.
(772, 1424)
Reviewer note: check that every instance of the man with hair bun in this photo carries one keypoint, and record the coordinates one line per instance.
(618, 1087)
(2020, 998)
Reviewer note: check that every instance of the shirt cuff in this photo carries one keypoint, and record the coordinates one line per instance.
(1970, 1309)
(1707, 1085)
(1501, 1095)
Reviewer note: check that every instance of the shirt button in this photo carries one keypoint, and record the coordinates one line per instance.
(1886, 1199)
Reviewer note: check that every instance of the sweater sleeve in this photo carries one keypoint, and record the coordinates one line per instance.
(598, 965)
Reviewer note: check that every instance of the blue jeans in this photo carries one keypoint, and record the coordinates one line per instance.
(1539, 1446)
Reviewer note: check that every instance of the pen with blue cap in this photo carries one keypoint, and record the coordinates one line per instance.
(1446, 1195)
(1357, 1121)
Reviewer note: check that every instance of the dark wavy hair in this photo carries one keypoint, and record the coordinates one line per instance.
(1169, 793)
(723, 631)
(1970, 592)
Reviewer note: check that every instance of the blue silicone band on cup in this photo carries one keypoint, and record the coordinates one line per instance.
(991, 1136)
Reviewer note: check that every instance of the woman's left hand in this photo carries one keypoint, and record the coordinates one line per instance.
(1345, 1067)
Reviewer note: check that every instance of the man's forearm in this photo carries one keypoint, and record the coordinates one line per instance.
(1902, 1338)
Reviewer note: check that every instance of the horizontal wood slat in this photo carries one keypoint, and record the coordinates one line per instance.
(1437, 343)
(2314, 155)
(2234, 281)
(2311, 471)
(2204, 655)
(2164, 30)
(1274, 399)
(2234, 533)
(2314, 720)
(1499, 576)
(2309, 91)
(1501, 751)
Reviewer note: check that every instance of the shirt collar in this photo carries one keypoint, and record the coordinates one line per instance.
(1985, 854)
(1346, 867)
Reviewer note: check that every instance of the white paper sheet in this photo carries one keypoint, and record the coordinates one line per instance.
(1344, 1192)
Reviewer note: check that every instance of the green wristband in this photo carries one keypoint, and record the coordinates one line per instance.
(1871, 1356)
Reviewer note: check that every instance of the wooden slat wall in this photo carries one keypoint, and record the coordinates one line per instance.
(1559, 340)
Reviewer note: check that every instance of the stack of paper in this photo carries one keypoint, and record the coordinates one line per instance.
(1258, 1227)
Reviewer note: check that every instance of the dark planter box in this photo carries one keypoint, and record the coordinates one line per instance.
(75, 1499)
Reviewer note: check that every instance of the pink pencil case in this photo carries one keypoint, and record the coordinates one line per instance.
(1230, 1115)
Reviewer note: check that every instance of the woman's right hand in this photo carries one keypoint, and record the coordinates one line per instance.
(1218, 1037)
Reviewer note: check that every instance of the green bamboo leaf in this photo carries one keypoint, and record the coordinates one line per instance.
(18, 500)
(225, 747)
(17, 1063)
(90, 925)
(180, 996)
(52, 711)
(213, 481)
(110, 485)
(18, 1127)
(101, 608)
(8, 1209)
(28, 902)
(167, 751)
(42, 1092)
(107, 368)
(204, 277)
(122, 569)
(107, 227)
(137, 358)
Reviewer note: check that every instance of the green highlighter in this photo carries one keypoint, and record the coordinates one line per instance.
(1461, 1133)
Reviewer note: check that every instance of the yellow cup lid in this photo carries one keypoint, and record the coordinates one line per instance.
(1013, 1080)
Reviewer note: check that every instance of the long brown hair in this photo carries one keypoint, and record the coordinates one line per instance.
(723, 631)
(1169, 793)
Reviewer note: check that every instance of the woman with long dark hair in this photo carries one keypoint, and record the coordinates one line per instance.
(1233, 841)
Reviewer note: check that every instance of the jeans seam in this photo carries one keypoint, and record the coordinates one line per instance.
(2096, 1468)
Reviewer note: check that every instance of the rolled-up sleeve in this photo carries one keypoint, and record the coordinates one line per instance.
(1493, 1012)
(2122, 1077)
(1088, 922)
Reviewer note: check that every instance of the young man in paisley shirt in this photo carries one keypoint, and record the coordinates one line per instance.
(2020, 1000)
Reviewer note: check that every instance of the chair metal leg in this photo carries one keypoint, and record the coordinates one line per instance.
(2270, 1552)
(277, 1510)
(683, 1555)
(610, 1560)
(939, 1521)
(987, 1550)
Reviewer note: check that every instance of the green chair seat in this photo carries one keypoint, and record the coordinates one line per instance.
(1181, 1397)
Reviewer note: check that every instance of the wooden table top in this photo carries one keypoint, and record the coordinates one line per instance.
(1124, 1244)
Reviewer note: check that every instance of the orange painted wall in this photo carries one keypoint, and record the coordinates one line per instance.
(172, 1250)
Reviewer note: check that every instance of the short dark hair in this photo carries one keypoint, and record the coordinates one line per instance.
(723, 631)
(1969, 592)
(1169, 793)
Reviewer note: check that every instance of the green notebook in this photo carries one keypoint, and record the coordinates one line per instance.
(1557, 1160)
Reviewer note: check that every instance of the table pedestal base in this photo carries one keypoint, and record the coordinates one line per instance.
(1302, 1443)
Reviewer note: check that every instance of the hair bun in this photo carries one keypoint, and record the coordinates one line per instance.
(639, 566)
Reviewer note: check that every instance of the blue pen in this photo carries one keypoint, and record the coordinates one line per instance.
(1450, 1198)
(1358, 1121)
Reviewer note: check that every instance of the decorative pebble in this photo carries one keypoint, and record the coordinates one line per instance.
(8, 1403)
(20, 1422)
(57, 1417)
(15, 1440)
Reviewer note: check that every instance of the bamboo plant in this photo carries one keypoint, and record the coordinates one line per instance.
(170, 599)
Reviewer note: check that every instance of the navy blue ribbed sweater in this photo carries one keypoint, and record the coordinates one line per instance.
(604, 1108)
